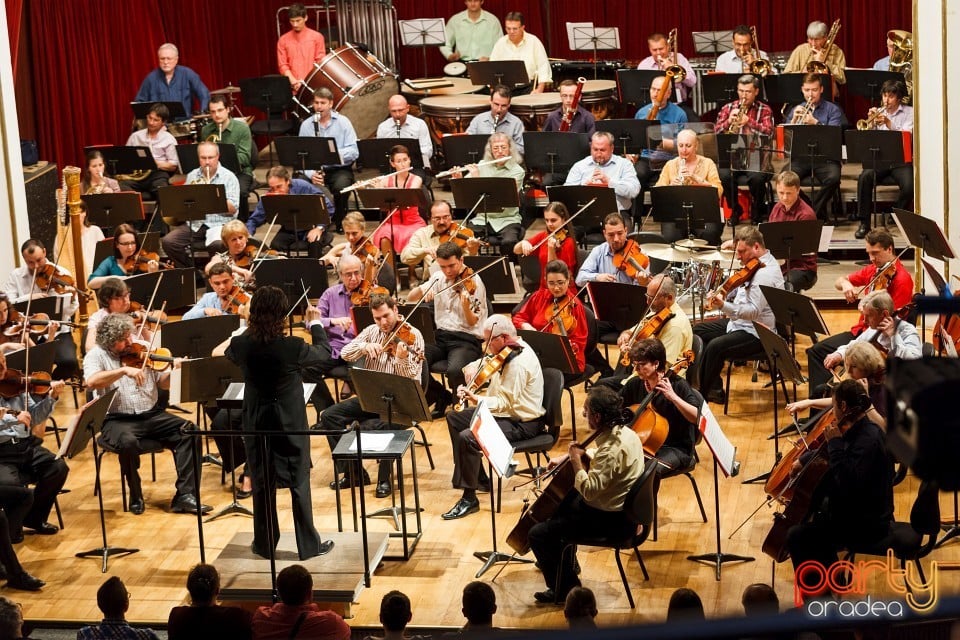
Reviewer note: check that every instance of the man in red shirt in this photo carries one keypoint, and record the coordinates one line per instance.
(799, 272)
(299, 48)
(296, 615)
(881, 252)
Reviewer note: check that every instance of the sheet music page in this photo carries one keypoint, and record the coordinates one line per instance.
(571, 38)
(826, 235)
(176, 383)
(494, 444)
(373, 441)
(722, 449)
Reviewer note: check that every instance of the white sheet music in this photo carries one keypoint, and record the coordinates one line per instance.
(722, 449)
(826, 235)
(176, 383)
(373, 441)
(494, 444)
(235, 391)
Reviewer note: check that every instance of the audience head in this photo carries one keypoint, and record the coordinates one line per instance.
(395, 611)
(580, 608)
(112, 597)
(759, 598)
(684, 604)
(479, 603)
(203, 583)
(294, 583)
(11, 618)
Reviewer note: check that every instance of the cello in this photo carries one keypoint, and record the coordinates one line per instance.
(650, 426)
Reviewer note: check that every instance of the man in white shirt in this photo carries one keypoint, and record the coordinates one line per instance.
(163, 148)
(604, 169)
(739, 59)
(401, 124)
(520, 45)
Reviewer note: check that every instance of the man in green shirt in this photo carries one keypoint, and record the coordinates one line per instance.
(471, 34)
(236, 132)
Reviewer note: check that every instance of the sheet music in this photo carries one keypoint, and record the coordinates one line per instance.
(494, 444)
(571, 39)
(722, 449)
(826, 235)
(176, 383)
(373, 441)
(235, 391)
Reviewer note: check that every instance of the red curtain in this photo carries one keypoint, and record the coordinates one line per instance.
(88, 58)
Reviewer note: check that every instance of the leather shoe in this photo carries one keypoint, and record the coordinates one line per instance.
(187, 503)
(346, 481)
(547, 596)
(44, 529)
(464, 507)
(243, 495)
(861, 232)
(25, 582)
(440, 407)
(16, 538)
(137, 506)
(384, 489)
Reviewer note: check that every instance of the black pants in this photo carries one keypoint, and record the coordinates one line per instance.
(336, 180)
(467, 458)
(285, 240)
(800, 279)
(178, 241)
(65, 357)
(8, 557)
(673, 231)
(459, 349)
(817, 373)
(340, 415)
(574, 519)
(27, 462)
(827, 181)
(123, 433)
(246, 186)
(902, 176)
(756, 182)
(232, 452)
(719, 346)
(506, 237)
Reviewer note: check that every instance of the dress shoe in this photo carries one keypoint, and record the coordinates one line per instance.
(137, 506)
(716, 396)
(187, 503)
(346, 481)
(243, 495)
(861, 232)
(25, 582)
(464, 507)
(16, 538)
(547, 596)
(384, 489)
(43, 529)
(3, 572)
(440, 407)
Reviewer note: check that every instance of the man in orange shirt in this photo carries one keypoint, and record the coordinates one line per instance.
(299, 48)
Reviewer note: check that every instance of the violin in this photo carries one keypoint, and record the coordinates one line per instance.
(562, 234)
(364, 247)
(47, 278)
(632, 261)
(650, 328)
(137, 313)
(491, 365)
(136, 355)
(140, 262)
(37, 323)
(234, 299)
(360, 297)
(246, 257)
(460, 235)
(650, 426)
(403, 334)
(465, 282)
(13, 383)
(559, 319)
(883, 278)
(737, 279)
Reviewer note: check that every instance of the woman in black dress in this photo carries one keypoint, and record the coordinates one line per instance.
(273, 400)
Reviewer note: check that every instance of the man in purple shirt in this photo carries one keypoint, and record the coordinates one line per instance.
(582, 120)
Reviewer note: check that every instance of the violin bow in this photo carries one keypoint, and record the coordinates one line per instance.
(566, 304)
(306, 291)
(379, 226)
(477, 272)
(153, 338)
(566, 222)
(253, 263)
(146, 313)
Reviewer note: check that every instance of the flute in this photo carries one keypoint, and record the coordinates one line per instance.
(482, 163)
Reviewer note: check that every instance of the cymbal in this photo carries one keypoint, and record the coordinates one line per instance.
(230, 89)
(690, 243)
(724, 256)
(667, 252)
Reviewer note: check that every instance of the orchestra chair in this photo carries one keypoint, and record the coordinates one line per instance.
(759, 355)
(584, 377)
(146, 446)
(912, 540)
(639, 507)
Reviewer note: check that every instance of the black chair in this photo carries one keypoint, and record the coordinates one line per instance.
(146, 446)
(756, 357)
(639, 508)
(912, 540)
(552, 420)
(530, 273)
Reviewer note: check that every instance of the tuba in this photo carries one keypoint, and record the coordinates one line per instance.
(902, 57)
(815, 66)
(760, 66)
(678, 72)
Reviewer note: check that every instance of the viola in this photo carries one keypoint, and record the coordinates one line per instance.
(562, 234)
(650, 328)
(37, 323)
(137, 312)
(632, 261)
(558, 319)
(234, 299)
(650, 426)
(459, 235)
(137, 355)
(47, 278)
(738, 278)
(13, 383)
(491, 365)
(360, 297)
(403, 334)
(246, 257)
(140, 262)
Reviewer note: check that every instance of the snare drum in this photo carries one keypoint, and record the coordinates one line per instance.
(446, 115)
(361, 87)
(534, 108)
(599, 96)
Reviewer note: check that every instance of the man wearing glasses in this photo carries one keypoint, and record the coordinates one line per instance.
(422, 247)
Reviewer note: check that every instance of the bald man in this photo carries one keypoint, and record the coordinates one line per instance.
(401, 124)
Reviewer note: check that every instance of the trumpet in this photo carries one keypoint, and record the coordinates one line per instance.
(801, 114)
(816, 66)
(738, 118)
(760, 66)
(874, 118)
(679, 73)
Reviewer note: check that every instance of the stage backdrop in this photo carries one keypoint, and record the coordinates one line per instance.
(87, 59)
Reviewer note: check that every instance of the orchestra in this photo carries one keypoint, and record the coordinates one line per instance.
(469, 358)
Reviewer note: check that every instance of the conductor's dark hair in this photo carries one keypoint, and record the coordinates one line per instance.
(395, 611)
(448, 250)
(268, 310)
(294, 583)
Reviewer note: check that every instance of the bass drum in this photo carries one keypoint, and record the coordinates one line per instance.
(361, 87)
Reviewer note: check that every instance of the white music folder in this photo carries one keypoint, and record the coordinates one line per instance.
(495, 446)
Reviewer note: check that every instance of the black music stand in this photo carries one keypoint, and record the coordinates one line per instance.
(198, 337)
(795, 310)
(486, 194)
(495, 281)
(297, 212)
(459, 151)
(817, 143)
(509, 72)
(691, 207)
(190, 202)
(875, 150)
(575, 197)
(784, 88)
(421, 319)
(924, 233)
(617, 302)
(293, 275)
(790, 240)
(784, 366)
(125, 160)
(375, 153)
(142, 109)
(50, 305)
(271, 94)
(189, 160)
(720, 88)
(634, 85)
(149, 241)
(554, 351)
(88, 423)
(554, 151)
(178, 288)
(630, 134)
(41, 358)
(867, 82)
(111, 209)
(308, 153)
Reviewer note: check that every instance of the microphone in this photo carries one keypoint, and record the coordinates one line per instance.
(397, 122)
(316, 125)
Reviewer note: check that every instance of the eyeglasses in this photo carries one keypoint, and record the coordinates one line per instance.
(127, 244)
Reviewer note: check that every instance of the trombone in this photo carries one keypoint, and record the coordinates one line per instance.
(816, 66)
(677, 72)
(760, 66)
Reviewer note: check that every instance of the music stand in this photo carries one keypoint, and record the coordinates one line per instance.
(111, 209)
(297, 212)
(617, 302)
(875, 150)
(124, 160)
(576, 197)
(790, 240)
(492, 194)
(691, 207)
(191, 202)
(189, 160)
(307, 153)
(924, 233)
(293, 275)
(634, 85)
(712, 43)
(271, 94)
(795, 310)
(586, 37)
(375, 153)
(88, 423)
(867, 82)
(508, 72)
(178, 288)
(198, 337)
(459, 151)
(50, 305)
(784, 88)
(423, 33)
(553, 351)
(816, 143)
(150, 241)
(142, 109)
(630, 134)
(41, 358)
(495, 281)
(554, 151)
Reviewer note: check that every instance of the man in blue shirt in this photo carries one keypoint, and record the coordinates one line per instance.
(651, 161)
(327, 123)
(216, 301)
(172, 83)
(281, 183)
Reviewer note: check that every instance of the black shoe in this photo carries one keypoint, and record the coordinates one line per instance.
(16, 538)
(25, 582)
(440, 407)
(44, 529)
(384, 489)
(243, 495)
(3, 572)
(547, 596)
(716, 396)
(861, 232)
(137, 506)
(322, 550)
(464, 507)
(346, 481)
(187, 503)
